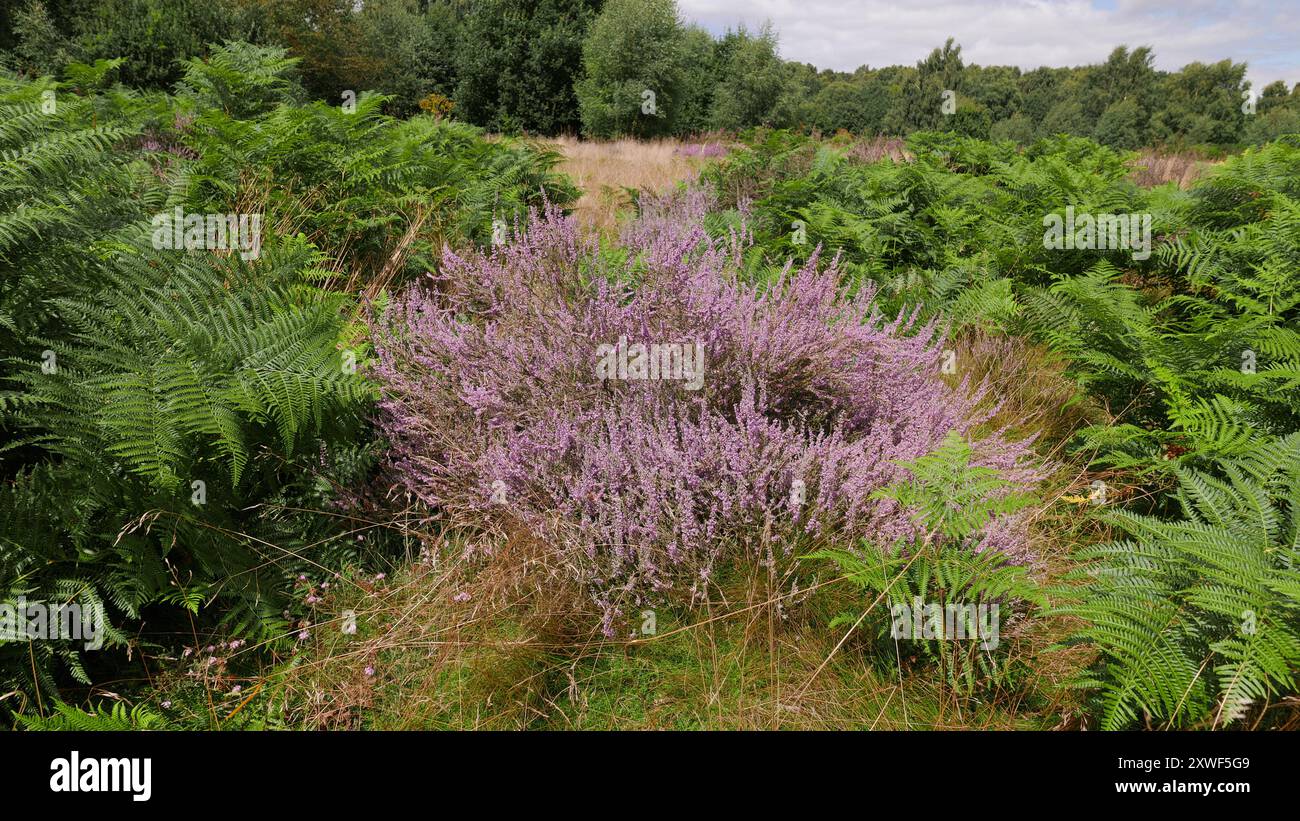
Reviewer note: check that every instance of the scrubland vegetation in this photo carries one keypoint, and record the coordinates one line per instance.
(344, 412)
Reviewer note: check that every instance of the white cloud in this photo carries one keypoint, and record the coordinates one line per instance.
(1027, 33)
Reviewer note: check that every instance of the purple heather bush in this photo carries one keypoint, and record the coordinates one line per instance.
(514, 392)
(669, 213)
(704, 149)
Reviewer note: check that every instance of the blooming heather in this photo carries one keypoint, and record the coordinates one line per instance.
(666, 215)
(646, 488)
(705, 149)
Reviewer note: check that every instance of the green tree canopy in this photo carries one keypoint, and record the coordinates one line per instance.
(633, 69)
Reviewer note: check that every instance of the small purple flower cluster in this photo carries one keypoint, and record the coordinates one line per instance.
(495, 411)
(705, 149)
(663, 215)
(211, 665)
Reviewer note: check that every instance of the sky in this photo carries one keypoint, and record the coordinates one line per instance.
(845, 34)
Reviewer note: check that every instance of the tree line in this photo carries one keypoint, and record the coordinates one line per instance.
(607, 68)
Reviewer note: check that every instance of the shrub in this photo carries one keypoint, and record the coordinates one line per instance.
(69, 178)
(380, 195)
(1196, 619)
(154, 37)
(498, 415)
(632, 50)
(198, 406)
(948, 564)
(242, 80)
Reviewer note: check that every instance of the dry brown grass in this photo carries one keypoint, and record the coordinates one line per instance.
(604, 169)
(1034, 396)
(524, 650)
(880, 147)
(1154, 168)
(450, 642)
(1029, 385)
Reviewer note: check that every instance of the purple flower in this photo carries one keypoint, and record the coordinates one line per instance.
(370, 671)
(705, 149)
(644, 486)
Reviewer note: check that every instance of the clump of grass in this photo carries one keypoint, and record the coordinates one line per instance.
(454, 641)
(607, 170)
(1153, 168)
(506, 643)
(879, 147)
(1028, 385)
